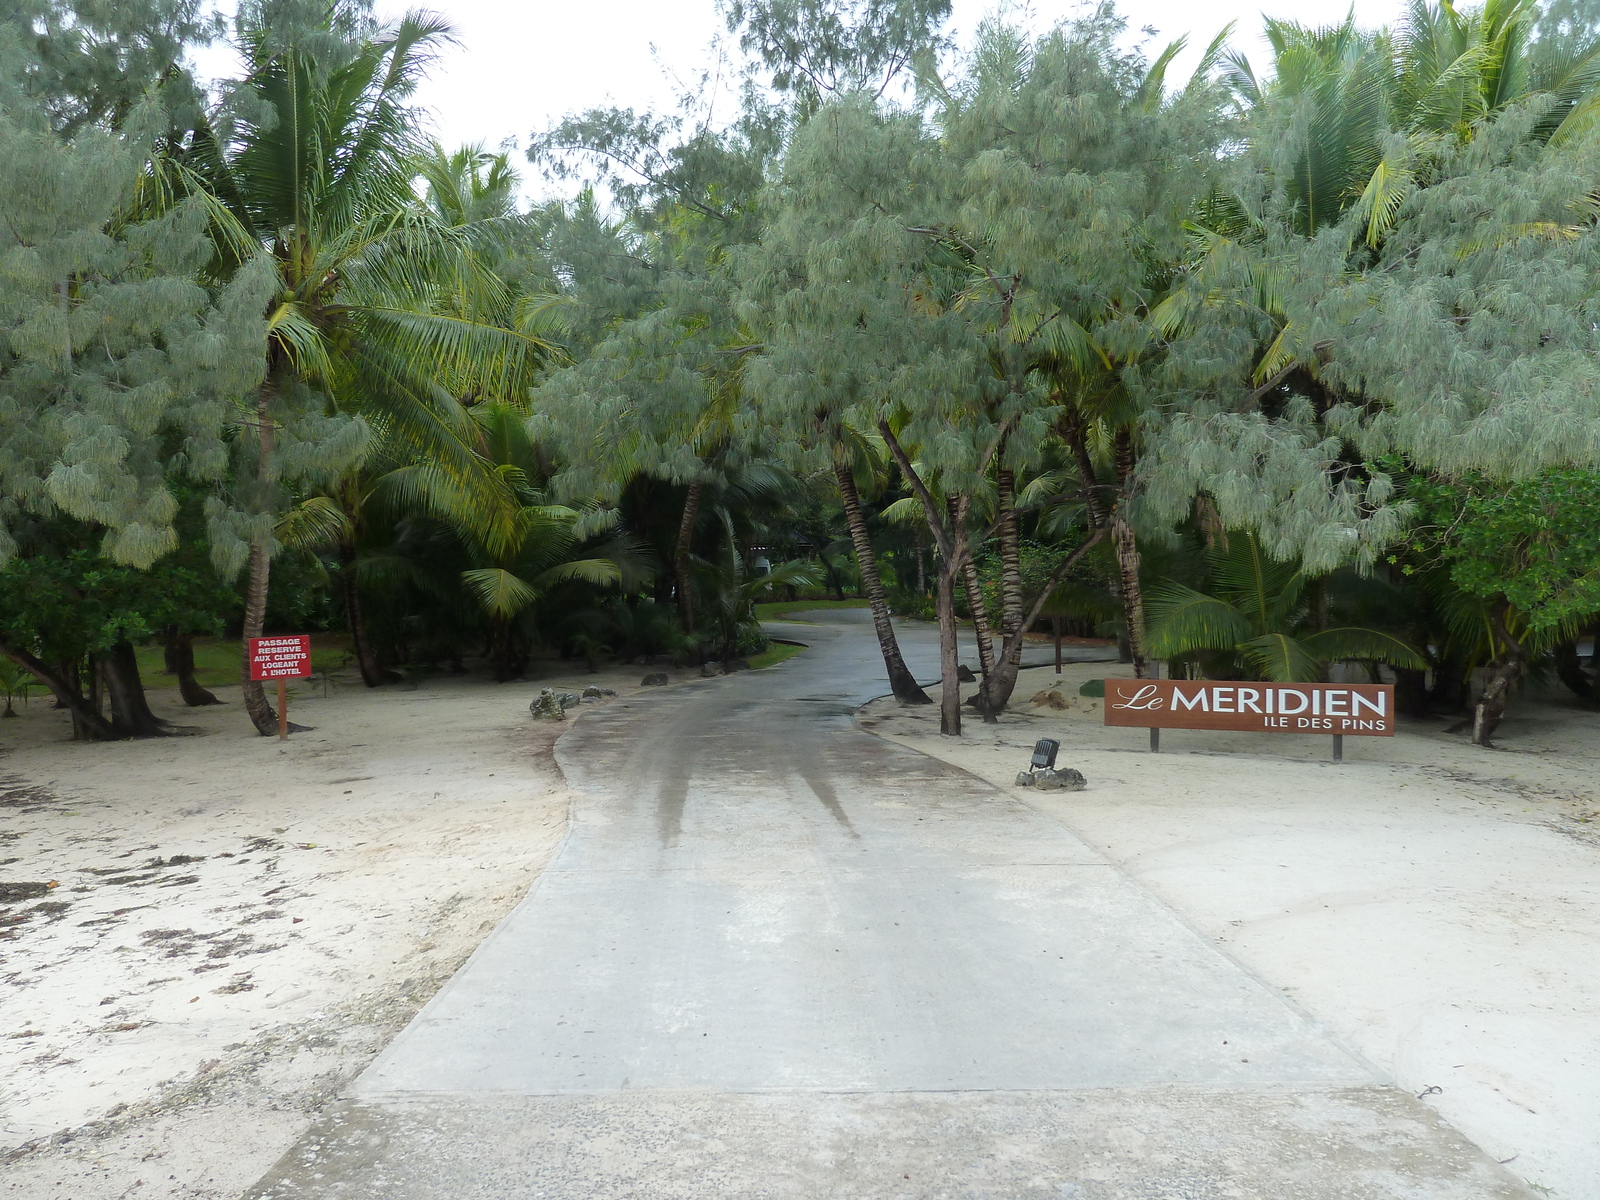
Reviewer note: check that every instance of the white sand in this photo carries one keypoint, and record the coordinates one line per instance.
(172, 1030)
(1436, 906)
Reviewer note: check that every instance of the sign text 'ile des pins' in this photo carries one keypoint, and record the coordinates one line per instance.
(1342, 709)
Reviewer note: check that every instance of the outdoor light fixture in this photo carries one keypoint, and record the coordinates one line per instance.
(1044, 752)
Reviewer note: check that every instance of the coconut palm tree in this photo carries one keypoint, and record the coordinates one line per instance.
(1256, 622)
(383, 309)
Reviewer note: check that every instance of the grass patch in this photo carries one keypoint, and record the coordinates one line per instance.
(216, 660)
(777, 610)
(773, 655)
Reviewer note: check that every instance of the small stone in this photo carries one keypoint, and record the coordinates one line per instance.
(965, 675)
(1051, 698)
(1025, 779)
(597, 693)
(707, 670)
(569, 699)
(659, 679)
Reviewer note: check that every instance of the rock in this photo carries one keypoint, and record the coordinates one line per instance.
(659, 679)
(597, 693)
(1051, 698)
(1062, 779)
(707, 670)
(569, 699)
(547, 706)
(1025, 779)
(965, 675)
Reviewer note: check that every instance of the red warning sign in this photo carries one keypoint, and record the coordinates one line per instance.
(281, 657)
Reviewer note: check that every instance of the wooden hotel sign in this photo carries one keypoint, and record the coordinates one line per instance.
(1354, 709)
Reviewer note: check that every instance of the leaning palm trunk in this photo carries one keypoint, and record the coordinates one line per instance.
(261, 712)
(680, 557)
(901, 682)
(980, 618)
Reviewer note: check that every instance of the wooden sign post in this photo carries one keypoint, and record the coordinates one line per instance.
(283, 659)
(1340, 709)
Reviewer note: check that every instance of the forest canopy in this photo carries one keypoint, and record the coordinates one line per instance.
(1282, 368)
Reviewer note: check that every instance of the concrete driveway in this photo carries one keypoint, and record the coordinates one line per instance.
(777, 956)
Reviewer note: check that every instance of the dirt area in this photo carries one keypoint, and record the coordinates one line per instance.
(1434, 905)
(202, 938)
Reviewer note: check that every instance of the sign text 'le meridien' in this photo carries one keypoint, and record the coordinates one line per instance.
(1353, 709)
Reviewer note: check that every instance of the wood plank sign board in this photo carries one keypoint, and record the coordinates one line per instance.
(280, 657)
(283, 659)
(1342, 709)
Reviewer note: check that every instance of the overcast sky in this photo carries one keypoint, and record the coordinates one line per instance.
(519, 65)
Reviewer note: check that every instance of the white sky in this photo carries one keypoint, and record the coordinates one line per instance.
(520, 65)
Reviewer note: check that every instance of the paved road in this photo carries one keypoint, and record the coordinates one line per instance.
(779, 957)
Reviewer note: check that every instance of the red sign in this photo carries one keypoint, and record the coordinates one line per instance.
(281, 657)
(1353, 709)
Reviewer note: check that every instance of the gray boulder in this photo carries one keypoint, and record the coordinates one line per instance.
(1025, 779)
(547, 706)
(598, 693)
(659, 679)
(965, 675)
(707, 670)
(1062, 779)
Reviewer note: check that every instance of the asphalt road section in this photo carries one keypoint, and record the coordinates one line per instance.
(778, 957)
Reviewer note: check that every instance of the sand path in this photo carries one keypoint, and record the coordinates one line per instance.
(778, 956)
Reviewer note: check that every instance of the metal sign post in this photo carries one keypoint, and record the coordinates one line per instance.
(282, 659)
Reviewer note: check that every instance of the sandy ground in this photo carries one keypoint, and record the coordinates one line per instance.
(1435, 905)
(239, 925)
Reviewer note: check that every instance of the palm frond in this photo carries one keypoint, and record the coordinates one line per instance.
(1373, 645)
(501, 593)
(1182, 621)
(1279, 658)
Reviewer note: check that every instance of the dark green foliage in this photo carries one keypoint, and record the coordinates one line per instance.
(1535, 542)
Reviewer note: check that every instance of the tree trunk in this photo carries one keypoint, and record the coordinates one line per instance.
(96, 686)
(179, 654)
(503, 654)
(980, 618)
(87, 723)
(680, 557)
(1011, 651)
(999, 686)
(1075, 432)
(1126, 549)
(130, 710)
(1504, 671)
(256, 704)
(373, 673)
(901, 682)
(949, 660)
